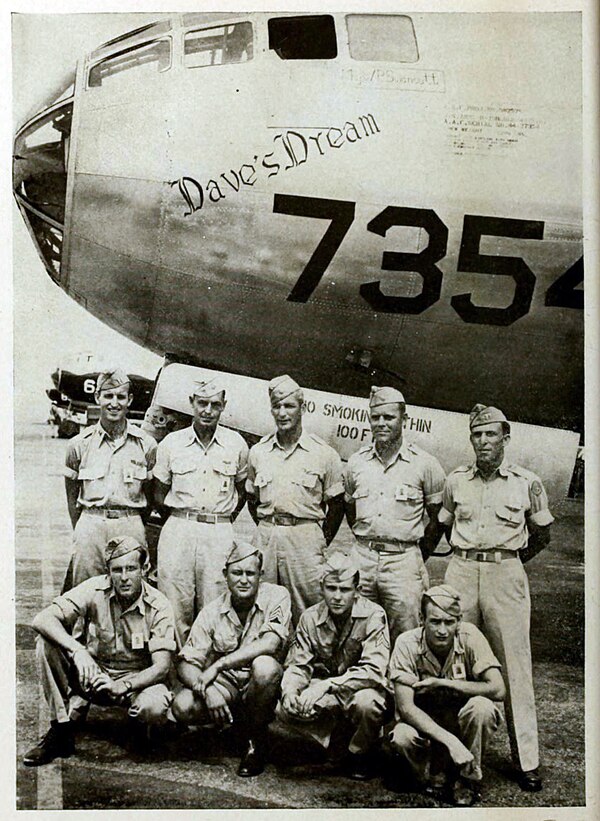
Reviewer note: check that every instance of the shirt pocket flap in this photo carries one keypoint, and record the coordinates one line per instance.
(183, 464)
(138, 471)
(263, 479)
(224, 642)
(360, 493)
(408, 493)
(226, 468)
(92, 472)
(309, 479)
(510, 514)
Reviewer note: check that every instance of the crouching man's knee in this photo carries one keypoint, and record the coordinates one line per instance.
(266, 671)
(367, 705)
(152, 704)
(403, 738)
(185, 706)
(480, 710)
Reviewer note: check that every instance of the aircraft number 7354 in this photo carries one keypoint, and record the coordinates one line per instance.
(562, 293)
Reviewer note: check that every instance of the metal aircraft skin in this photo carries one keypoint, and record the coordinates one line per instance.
(351, 198)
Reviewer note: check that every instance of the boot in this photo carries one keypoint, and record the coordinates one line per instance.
(57, 743)
(253, 760)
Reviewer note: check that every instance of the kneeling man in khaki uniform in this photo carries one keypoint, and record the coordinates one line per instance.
(446, 682)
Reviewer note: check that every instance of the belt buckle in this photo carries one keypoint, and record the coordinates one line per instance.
(378, 546)
(481, 556)
(283, 519)
(112, 514)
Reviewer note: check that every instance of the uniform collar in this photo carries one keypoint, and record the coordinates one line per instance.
(228, 609)
(406, 453)
(304, 442)
(359, 611)
(501, 470)
(146, 595)
(192, 437)
(424, 649)
(130, 430)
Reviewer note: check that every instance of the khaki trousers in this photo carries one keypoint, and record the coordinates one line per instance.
(495, 597)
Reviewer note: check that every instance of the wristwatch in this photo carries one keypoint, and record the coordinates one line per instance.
(128, 685)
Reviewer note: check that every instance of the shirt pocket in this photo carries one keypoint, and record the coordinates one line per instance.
(511, 515)
(134, 472)
(225, 472)
(183, 470)
(225, 641)
(408, 499)
(309, 481)
(463, 511)
(264, 484)
(360, 498)
(93, 477)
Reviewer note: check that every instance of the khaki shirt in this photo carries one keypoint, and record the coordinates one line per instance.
(468, 659)
(390, 501)
(202, 479)
(217, 630)
(111, 472)
(296, 482)
(354, 659)
(121, 640)
(493, 513)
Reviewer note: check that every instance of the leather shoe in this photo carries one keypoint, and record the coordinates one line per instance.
(530, 781)
(465, 792)
(359, 766)
(57, 743)
(253, 760)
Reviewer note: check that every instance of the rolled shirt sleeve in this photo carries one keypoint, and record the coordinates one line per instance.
(198, 648)
(72, 461)
(251, 473)
(299, 664)
(150, 456)
(242, 463)
(433, 481)
(278, 616)
(539, 512)
(370, 670)
(403, 665)
(349, 483)
(446, 514)
(162, 629)
(333, 481)
(162, 463)
(482, 657)
(75, 602)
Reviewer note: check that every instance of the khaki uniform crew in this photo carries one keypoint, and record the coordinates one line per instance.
(295, 489)
(497, 515)
(336, 667)
(390, 486)
(108, 468)
(122, 656)
(199, 480)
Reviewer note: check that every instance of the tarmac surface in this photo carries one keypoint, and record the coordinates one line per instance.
(197, 768)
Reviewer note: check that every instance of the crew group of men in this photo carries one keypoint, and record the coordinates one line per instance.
(288, 625)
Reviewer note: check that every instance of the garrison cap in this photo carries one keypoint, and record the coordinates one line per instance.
(120, 546)
(240, 551)
(485, 415)
(111, 379)
(446, 598)
(341, 566)
(205, 388)
(281, 387)
(384, 396)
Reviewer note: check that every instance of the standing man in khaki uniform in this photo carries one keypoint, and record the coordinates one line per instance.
(296, 495)
(121, 657)
(390, 486)
(336, 667)
(233, 655)
(108, 471)
(199, 483)
(497, 518)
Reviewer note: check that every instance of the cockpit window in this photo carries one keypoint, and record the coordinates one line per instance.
(218, 45)
(385, 37)
(147, 58)
(309, 37)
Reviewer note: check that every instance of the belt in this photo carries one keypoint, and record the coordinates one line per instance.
(287, 520)
(386, 545)
(485, 555)
(207, 518)
(113, 512)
